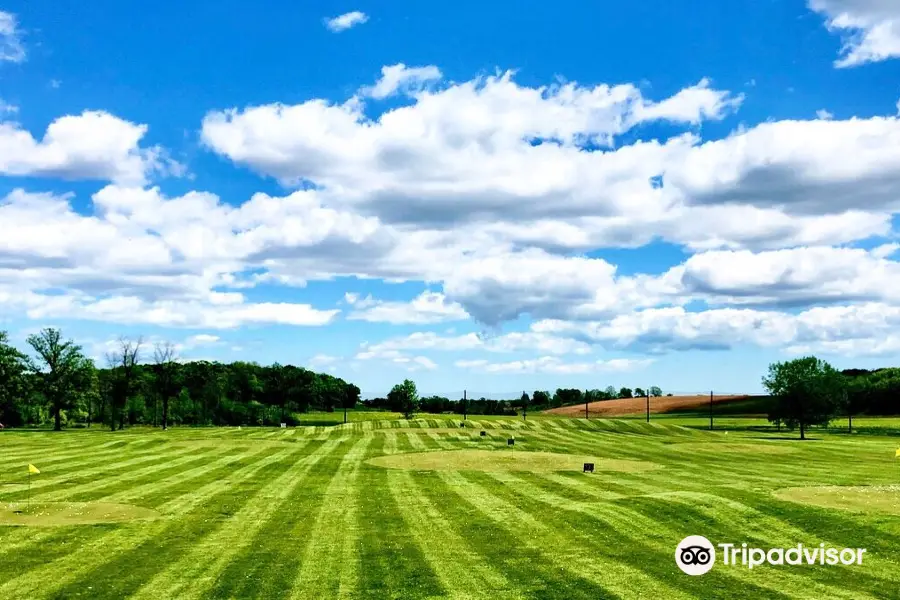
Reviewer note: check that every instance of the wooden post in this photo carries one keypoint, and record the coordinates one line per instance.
(345, 415)
(586, 406)
(648, 406)
(465, 406)
(710, 410)
(524, 407)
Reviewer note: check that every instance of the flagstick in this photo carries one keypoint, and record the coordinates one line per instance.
(29, 490)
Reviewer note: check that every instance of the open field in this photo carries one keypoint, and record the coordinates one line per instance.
(630, 406)
(426, 509)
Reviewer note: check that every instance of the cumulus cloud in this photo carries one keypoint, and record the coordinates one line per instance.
(554, 365)
(870, 28)
(92, 145)
(11, 48)
(427, 307)
(400, 78)
(346, 21)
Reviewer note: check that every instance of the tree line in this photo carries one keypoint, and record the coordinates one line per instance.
(404, 395)
(809, 391)
(150, 386)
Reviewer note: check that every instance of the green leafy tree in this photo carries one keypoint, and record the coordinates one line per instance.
(62, 372)
(13, 366)
(405, 397)
(540, 398)
(806, 391)
(655, 391)
(611, 393)
(639, 392)
(625, 393)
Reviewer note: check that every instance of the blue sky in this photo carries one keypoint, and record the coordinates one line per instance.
(497, 198)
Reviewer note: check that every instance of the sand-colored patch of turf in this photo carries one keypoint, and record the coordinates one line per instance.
(860, 498)
(504, 460)
(56, 514)
(733, 448)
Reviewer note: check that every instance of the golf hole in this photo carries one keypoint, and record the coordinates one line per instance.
(58, 514)
(505, 460)
(884, 499)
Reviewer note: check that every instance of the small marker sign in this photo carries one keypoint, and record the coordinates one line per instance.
(510, 442)
(284, 425)
(588, 467)
(483, 433)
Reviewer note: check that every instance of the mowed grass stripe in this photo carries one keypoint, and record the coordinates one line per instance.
(196, 572)
(393, 564)
(558, 549)
(119, 562)
(461, 570)
(101, 487)
(93, 551)
(526, 568)
(268, 566)
(66, 475)
(330, 567)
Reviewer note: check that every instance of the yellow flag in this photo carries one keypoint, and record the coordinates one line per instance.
(897, 453)
(34, 469)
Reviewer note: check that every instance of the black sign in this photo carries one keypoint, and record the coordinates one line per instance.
(588, 467)
(483, 433)
(510, 442)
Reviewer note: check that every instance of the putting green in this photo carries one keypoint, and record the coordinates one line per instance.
(56, 514)
(730, 448)
(504, 460)
(862, 498)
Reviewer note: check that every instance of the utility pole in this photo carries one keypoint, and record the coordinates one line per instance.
(525, 406)
(345, 413)
(710, 410)
(465, 406)
(648, 405)
(586, 405)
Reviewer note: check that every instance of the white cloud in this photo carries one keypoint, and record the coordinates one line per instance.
(527, 341)
(400, 78)
(554, 365)
(824, 114)
(11, 48)
(870, 28)
(798, 276)
(92, 145)
(395, 357)
(427, 307)
(346, 21)
(201, 339)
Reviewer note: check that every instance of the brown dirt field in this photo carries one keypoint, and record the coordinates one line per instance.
(631, 406)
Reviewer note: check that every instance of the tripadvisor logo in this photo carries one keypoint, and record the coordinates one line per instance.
(696, 555)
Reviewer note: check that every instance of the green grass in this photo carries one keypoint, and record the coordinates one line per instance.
(358, 511)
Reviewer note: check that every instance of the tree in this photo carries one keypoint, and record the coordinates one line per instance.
(540, 398)
(625, 393)
(639, 392)
(611, 393)
(406, 397)
(165, 370)
(123, 362)
(806, 391)
(61, 370)
(13, 365)
(655, 391)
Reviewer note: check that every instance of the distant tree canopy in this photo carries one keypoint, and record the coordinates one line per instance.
(806, 391)
(59, 384)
